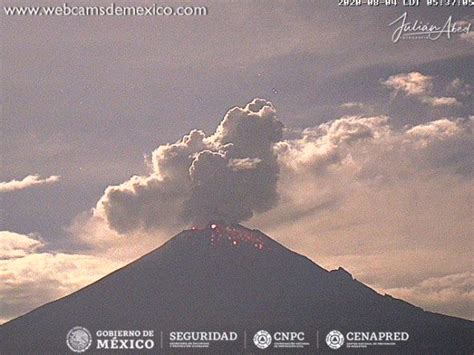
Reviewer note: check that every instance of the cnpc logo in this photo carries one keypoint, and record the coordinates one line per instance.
(263, 339)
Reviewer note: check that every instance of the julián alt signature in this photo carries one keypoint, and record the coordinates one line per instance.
(427, 30)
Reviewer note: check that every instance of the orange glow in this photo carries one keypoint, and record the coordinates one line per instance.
(234, 235)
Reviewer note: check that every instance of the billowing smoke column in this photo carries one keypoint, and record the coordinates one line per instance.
(227, 176)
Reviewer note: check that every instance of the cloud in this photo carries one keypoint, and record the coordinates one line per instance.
(452, 294)
(95, 237)
(468, 37)
(14, 245)
(31, 278)
(440, 101)
(322, 146)
(244, 164)
(27, 182)
(420, 87)
(393, 205)
(358, 108)
(228, 175)
(458, 87)
(412, 84)
(356, 153)
(420, 276)
(440, 129)
(359, 105)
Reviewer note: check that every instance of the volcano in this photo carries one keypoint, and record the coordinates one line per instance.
(227, 278)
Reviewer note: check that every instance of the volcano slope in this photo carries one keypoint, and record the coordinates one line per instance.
(228, 277)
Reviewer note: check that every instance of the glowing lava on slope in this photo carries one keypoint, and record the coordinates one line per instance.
(235, 235)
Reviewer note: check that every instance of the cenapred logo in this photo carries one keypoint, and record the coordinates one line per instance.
(262, 339)
(79, 339)
(335, 339)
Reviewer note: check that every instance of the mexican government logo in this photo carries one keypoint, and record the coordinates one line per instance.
(79, 339)
(262, 339)
(335, 339)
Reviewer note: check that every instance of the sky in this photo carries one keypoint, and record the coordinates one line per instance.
(360, 150)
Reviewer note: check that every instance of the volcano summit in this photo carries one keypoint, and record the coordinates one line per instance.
(227, 279)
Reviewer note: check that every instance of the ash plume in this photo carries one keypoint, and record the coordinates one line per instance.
(229, 175)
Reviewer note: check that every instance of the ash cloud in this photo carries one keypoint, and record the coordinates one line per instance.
(229, 175)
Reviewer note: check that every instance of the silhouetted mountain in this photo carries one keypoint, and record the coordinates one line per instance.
(232, 278)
